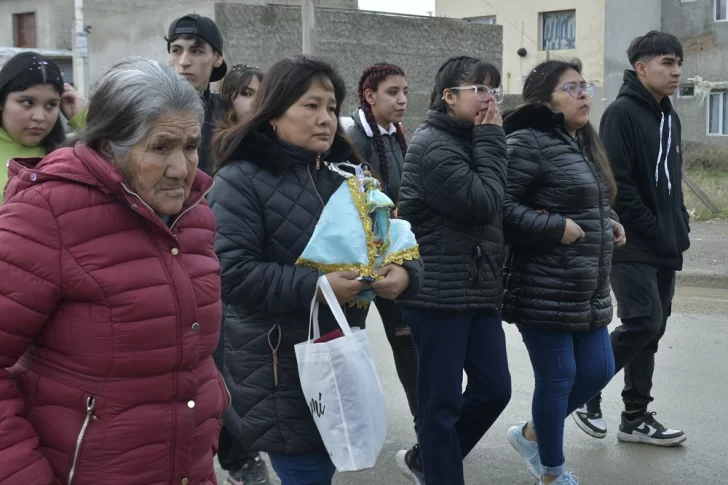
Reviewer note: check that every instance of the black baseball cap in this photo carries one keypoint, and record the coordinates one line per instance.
(204, 28)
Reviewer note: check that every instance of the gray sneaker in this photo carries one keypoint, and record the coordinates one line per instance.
(527, 449)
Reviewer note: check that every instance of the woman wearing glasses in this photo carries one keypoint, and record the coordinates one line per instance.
(560, 230)
(453, 184)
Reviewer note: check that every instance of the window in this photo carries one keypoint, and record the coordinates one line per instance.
(558, 30)
(24, 30)
(721, 9)
(487, 20)
(718, 114)
(686, 91)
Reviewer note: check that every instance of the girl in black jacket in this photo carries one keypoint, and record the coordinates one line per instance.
(270, 189)
(561, 231)
(452, 193)
(378, 138)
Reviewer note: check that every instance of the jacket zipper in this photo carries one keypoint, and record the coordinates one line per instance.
(126, 189)
(475, 278)
(308, 169)
(224, 384)
(601, 212)
(90, 406)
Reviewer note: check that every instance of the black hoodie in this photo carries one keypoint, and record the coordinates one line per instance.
(643, 141)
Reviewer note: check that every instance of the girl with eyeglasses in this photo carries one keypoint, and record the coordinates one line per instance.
(560, 231)
(452, 193)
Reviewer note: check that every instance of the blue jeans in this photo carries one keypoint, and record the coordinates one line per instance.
(449, 422)
(308, 469)
(570, 368)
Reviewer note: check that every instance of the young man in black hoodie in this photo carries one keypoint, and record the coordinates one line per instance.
(641, 133)
(194, 44)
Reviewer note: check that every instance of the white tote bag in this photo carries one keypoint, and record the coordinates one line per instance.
(342, 389)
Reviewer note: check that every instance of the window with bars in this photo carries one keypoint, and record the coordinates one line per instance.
(558, 30)
(718, 113)
(25, 30)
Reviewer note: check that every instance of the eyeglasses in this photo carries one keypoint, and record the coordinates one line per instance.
(483, 92)
(575, 90)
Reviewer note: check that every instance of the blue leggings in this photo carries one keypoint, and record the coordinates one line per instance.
(570, 368)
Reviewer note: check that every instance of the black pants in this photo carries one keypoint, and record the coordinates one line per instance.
(403, 349)
(644, 297)
(451, 422)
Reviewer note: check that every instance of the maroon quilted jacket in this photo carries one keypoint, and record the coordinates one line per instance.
(108, 319)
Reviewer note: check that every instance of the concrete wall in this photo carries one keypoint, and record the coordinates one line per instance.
(705, 42)
(624, 20)
(138, 27)
(589, 32)
(353, 40)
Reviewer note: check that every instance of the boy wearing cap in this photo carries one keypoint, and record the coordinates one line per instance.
(194, 44)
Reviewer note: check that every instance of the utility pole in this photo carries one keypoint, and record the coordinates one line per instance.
(80, 50)
(308, 25)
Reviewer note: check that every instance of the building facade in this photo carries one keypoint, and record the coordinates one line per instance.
(702, 26)
(533, 31)
(43, 26)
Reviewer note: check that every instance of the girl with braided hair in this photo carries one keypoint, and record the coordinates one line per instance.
(378, 138)
(377, 132)
(452, 192)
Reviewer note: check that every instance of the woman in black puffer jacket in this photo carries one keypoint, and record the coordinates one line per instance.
(452, 193)
(269, 193)
(561, 231)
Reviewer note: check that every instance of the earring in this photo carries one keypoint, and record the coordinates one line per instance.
(274, 128)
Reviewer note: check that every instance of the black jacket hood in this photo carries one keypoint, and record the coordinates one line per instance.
(263, 148)
(634, 89)
(535, 116)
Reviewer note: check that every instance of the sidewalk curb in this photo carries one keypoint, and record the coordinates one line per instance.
(702, 279)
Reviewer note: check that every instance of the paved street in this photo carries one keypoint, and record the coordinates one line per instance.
(691, 389)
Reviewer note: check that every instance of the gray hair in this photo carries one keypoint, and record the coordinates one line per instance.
(128, 98)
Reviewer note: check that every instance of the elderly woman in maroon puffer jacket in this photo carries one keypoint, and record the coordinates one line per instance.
(110, 297)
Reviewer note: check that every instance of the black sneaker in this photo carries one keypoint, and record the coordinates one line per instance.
(589, 419)
(254, 472)
(648, 430)
(409, 464)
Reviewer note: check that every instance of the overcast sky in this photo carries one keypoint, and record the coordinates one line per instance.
(417, 7)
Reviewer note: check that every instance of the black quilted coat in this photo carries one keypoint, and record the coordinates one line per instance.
(452, 193)
(267, 205)
(550, 179)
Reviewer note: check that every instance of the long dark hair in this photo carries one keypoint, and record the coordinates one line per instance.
(282, 86)
(29, 69)
(233, 85)
(539, 88)
(371, 78)
(458, 70)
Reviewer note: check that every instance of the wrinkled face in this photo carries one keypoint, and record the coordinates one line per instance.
(29, 116)
(162, 167)
(389, 101)
(310, 123)
(243, 103)
(575, 110)
(194, 60)
(465, 104)
(661, 74)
